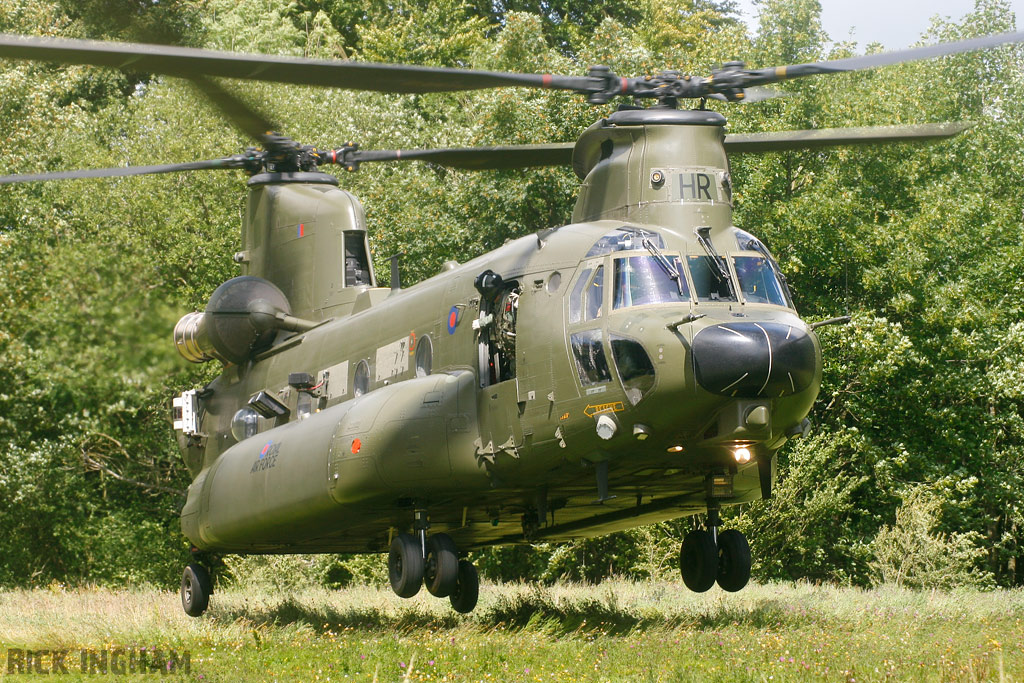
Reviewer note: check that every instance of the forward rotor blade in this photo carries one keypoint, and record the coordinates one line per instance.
(229, 162)
(783, 73)
(245, 118)
(190, 62)
(479, 158)
(830, 137)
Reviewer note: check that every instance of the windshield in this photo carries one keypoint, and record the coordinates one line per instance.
(709, 284)
(758, 281)
(641, 280)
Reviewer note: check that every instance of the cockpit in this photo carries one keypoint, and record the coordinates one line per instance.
(630, 268)
(649, 275)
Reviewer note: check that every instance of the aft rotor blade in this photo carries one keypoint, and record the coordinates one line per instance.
(782, 73)
(230, 162)
(479, 158)
(830, 137)
(190, 62)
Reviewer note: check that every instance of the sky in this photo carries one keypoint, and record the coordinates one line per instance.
(893, 23)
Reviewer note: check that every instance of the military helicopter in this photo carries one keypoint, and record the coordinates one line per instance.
(643, 363)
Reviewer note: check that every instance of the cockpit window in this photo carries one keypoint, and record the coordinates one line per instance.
(711, 283)
(745, 241)
(588, 352)
(623, 239)
(594, 295)
(635, 368)
(641, 280)
(758, 281)
(576, 298)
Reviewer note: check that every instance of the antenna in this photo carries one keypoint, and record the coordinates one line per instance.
(396, 276)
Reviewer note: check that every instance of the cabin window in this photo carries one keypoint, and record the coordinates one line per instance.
(641, 280)
(635, 368)
(758, 281)
(588, 351)
(361, 379)
(424, 354)
(711, 279)
(554, 282)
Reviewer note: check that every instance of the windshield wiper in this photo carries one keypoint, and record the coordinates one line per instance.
(704, 239)
(666, 265)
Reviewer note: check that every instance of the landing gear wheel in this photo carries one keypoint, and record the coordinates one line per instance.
(698, 560)
(733, 560)
(441, 572)
(467, 591)
(196, 587)
(405, 565)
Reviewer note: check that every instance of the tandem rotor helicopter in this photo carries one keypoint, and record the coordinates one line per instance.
(643, 363)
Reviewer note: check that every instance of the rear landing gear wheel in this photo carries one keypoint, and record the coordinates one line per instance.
(196, 587)
(405, 565)
(441, 572)
(733, 560)
(698, 560)
(467, 590)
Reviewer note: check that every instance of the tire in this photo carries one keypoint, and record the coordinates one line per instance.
(733, 560)
(467, 591)
(405, 565)
(441, 571)
(196, 587)
(698, 560)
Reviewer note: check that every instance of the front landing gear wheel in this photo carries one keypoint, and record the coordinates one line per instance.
(467, 590)
(733, 560)
(405, 565)
(698, 560)
(196, 587)
(441, 572)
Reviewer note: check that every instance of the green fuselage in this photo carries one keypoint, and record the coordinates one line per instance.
(495, 408)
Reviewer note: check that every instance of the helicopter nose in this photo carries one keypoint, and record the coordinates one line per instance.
(754, 360)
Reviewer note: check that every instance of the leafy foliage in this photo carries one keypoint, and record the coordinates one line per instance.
(910, 553)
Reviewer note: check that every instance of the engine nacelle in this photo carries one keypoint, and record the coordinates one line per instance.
(242, 318)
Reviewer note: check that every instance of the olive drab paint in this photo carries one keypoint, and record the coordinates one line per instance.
(505, 414)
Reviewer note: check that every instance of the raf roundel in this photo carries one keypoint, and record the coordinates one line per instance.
(453, 319)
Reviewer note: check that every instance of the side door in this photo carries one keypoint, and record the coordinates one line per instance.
(498, 406)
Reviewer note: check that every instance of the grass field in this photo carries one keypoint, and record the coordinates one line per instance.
(616, 631)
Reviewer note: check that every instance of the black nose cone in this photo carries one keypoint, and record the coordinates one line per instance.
(754, 360)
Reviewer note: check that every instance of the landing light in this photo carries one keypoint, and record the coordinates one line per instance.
(742, 454)
(674, 449)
